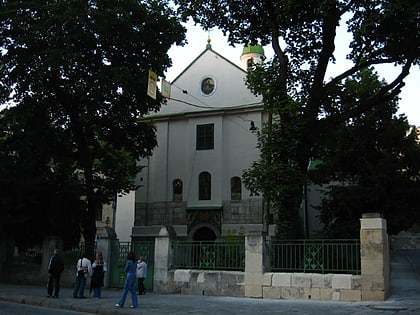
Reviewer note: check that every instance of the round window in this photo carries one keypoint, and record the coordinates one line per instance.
(207, 86)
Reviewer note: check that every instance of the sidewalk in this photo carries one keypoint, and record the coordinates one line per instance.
(404, 299)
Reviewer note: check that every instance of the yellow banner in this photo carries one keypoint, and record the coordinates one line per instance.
(151, 85)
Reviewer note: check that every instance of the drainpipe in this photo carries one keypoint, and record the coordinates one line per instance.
(305, 210)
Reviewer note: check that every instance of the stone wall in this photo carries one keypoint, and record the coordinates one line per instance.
(307, 286)
(405, 241)
(216, 283)
(36, 274)
(244, 212)
(371, 285)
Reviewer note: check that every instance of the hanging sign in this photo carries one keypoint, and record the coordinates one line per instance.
(151, 84)
(166, 89)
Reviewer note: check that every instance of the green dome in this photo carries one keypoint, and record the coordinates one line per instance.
(253, 49)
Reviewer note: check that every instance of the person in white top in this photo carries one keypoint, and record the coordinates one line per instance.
(83, 271)
(141, 274)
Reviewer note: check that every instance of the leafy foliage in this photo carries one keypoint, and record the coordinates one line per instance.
(304, 106)
(39, 194)
(80, 68)
(373, 163)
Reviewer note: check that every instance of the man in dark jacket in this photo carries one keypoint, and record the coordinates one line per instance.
(55, 268)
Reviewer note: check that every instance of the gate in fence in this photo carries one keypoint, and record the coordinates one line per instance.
(119, 251)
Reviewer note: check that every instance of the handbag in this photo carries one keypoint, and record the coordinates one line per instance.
(81, 273)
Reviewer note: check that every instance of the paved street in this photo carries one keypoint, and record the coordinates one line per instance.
(404, 299)
(190, 304)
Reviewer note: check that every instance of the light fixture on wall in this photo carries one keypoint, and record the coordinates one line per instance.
(252, 127)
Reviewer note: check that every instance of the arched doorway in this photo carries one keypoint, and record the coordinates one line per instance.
(204, 238)
(204, 234)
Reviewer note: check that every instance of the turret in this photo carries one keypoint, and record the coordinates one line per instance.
(252, 54)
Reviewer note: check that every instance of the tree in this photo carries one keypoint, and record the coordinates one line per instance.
(372, 166)
(38, 194)
(302, 101)
(84, 65)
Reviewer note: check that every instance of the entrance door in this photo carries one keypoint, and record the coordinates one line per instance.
(204, 234)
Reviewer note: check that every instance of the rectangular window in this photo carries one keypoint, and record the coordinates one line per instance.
(205, 137)
(98, 212)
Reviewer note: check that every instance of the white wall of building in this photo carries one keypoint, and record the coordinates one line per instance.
(230, 107)
(124, 219)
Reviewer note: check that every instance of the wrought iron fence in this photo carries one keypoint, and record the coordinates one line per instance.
(318, 256)
(119, 252)
(72, 255)
(208, 255)
(28, 256)
(34, 255)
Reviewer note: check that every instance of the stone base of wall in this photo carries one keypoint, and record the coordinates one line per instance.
(198, 282)
(404, 241)
(312, 286)
(32, 274)
(288, 286)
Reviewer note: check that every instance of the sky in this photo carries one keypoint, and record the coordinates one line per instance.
(197, 41)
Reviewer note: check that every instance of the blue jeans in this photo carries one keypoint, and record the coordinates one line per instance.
(129, 285)
(96, 292)
(79, 286)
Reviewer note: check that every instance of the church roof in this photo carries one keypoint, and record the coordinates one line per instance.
(208, 48)
(209, 84)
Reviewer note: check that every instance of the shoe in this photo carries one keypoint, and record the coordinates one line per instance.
(82, 297)
(118, 305)
(132, 306)
(48, 296)
(55, 297)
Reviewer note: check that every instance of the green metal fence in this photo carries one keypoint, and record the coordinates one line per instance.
(208, 255)
(119, 252)
(318, 256)
(146, 249)
(29, 256)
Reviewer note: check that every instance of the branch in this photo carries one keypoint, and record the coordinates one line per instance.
(357, 68)
(385, 94)
(329, 27)
(328, 46)
(284, 60)
(347, 7)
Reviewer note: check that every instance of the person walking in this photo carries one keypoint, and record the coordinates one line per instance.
(99, 268)
(55, 269)
(130, 281)
(83, 271)
(141, 274)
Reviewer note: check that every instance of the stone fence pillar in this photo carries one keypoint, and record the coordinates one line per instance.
(162, 251)
(103, 244)
(374, 251)
(254, 265)
(48, 245)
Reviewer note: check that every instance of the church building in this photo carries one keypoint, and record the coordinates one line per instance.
(192, 183)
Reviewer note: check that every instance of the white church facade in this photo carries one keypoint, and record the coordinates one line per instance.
(192, 182)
